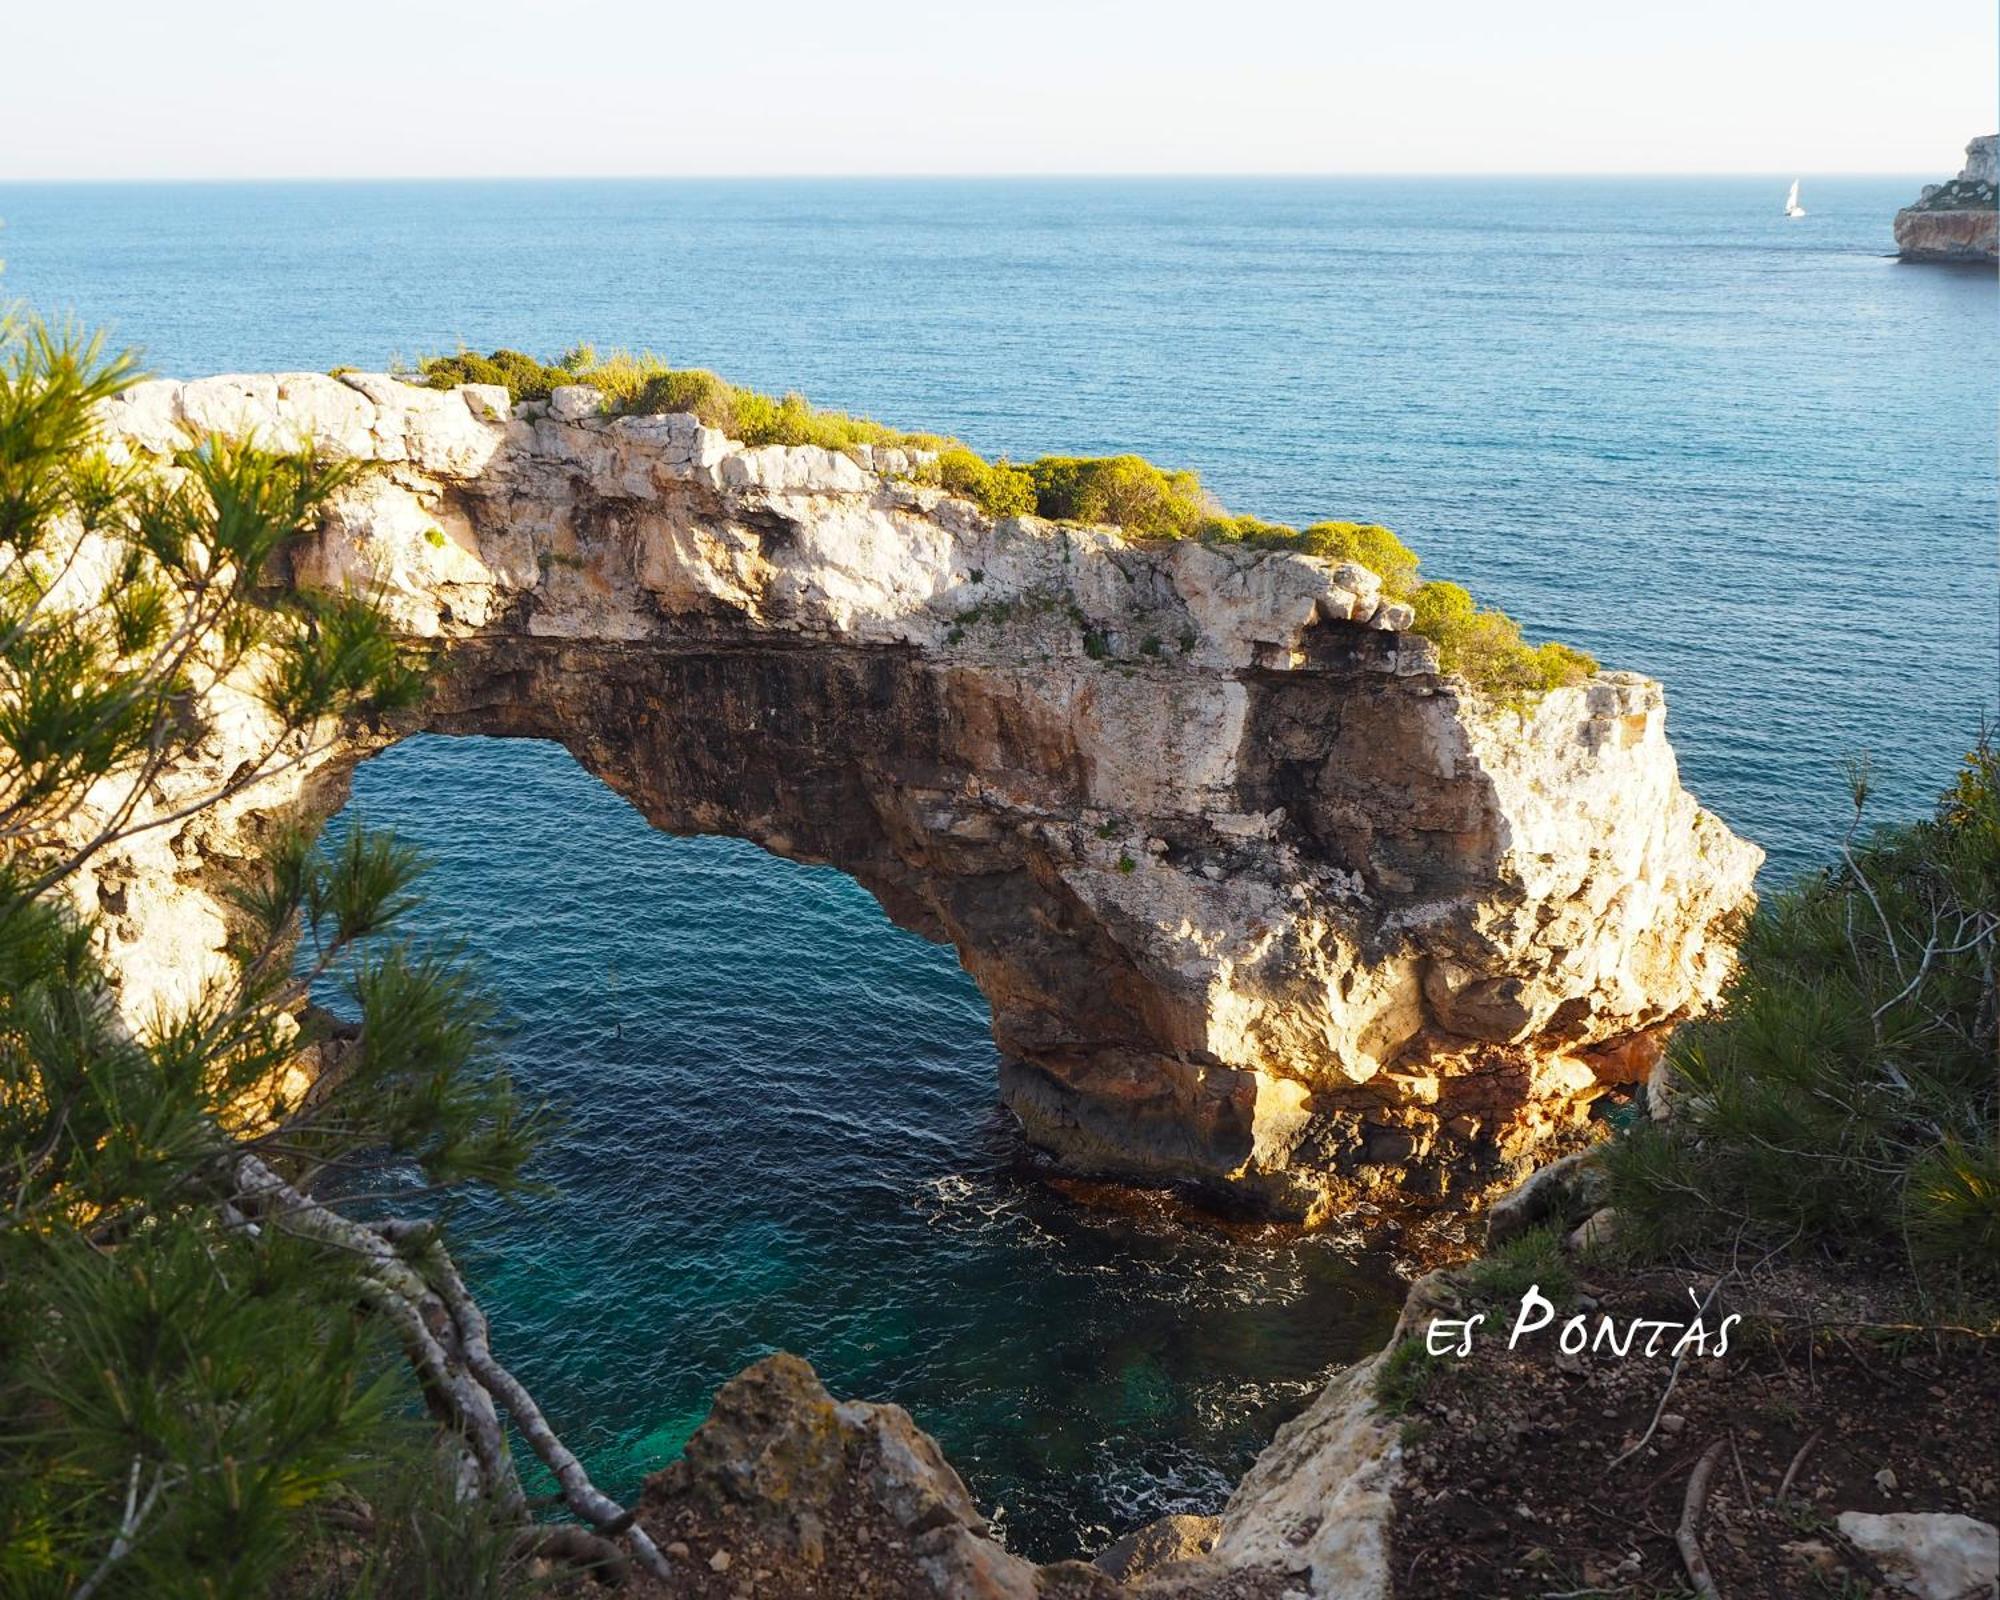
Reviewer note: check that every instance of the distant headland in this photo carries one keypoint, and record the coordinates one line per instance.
(1959, 220)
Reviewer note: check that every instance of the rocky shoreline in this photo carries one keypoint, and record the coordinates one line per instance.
(786, 1492)
(1958, 221)
(1505, 1471)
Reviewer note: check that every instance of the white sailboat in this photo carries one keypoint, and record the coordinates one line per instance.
(1792, 206)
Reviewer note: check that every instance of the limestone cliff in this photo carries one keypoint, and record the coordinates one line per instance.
(1260, 899)
(1959, 220)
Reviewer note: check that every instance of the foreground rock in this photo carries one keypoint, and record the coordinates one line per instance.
(1528, 1470)
(1146, 1550)
(1959, 220)
(784, 1491)
(1316, 1506)
(1260, 900)
(789, 1494)
(1931, 1554)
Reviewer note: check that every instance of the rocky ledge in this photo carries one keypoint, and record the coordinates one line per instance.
(1261, 899)
(1959, 220)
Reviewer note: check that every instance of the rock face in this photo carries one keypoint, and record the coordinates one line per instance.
(793, 1493)
(1261, 901)
(1959, 220)
(1176, 1538)
(1316, 1505)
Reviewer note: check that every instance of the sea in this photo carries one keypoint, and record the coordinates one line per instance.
(1751, 456)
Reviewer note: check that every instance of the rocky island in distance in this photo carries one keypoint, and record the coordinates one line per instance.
(1959, 220)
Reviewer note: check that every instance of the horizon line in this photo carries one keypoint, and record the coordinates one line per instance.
(1108, 174)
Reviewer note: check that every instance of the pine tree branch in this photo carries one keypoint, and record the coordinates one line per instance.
(579, 1493)
(399, 1293)
(447, 1338)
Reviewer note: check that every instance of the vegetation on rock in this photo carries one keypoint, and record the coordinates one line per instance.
(1366, 544)
(1127, 492)
(1486, 647)
(998, 488)
(644, 385)
(1406, 1372)
(522, 376)
(1533, 1259)
(1959, 194)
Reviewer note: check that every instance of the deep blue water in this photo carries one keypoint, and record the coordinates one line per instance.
(1752, 457)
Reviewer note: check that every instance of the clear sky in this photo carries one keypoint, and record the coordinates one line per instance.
(412, 88)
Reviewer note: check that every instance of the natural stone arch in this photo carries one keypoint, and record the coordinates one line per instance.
(1258, 898)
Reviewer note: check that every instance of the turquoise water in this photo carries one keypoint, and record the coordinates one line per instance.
(1752, 457)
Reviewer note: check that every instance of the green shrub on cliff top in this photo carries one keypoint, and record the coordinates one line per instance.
(523, 376)
(998, 488)
(1370, 545)
(1487, 648)
(642, 384)
(1366, 544)
(1484, 647)
(1126, 492)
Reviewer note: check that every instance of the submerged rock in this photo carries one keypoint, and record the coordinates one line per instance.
(1959, 220)
(1261, 900)
(1158, 1544)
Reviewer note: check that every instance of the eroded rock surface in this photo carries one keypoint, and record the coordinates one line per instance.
(1959, 220)
(1163, 1542)
(1316, 1506)
(786, 1491)
(1260, 900)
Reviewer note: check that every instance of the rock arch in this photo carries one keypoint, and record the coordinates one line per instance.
(1259, 899)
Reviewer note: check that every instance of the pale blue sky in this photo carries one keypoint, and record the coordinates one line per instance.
(370, 88)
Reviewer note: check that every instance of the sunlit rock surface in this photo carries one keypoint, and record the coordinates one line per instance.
(1260, 900)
